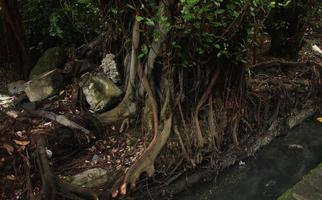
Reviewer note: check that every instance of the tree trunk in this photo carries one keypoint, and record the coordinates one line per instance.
(286, 26)
(14, 37)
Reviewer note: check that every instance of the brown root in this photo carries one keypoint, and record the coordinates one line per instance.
(212, 125)
(235, 126)
(200, 139)
(51, 185)
(184, 151)
(127, 107)
(146, 162)
(48, 190)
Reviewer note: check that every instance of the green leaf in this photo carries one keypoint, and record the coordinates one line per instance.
(231, 6)
(149, 22)
(219, 11)
(139, 18)
(83, 1)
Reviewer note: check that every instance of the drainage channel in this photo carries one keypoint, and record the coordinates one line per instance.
(270, 172)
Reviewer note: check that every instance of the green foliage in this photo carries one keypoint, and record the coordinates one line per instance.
(218, 29)
(63, 22)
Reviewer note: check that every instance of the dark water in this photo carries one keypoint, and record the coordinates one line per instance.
(268, 174)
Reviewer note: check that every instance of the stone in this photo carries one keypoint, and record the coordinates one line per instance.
(90, 178)
(108, 66)
(16, 87)
(52, 58)
(100, 92)
(317, 50)
(299, 117)
(44, 86)
(309, 188)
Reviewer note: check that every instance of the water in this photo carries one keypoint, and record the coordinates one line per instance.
(268, 174)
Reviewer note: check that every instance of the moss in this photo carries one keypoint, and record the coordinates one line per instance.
(305, 180)
(286, 194)
(52, 58)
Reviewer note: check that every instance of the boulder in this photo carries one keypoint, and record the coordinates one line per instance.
(90, 178)
(100, 92)
(44, 86)
(16, 87)
(53, 58)
(108, 66)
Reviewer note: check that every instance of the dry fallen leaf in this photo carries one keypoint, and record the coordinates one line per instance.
(22, 143)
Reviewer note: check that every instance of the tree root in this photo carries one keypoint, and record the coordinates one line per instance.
(235, 126)
(51, 185)
(124, 110)
(127, 107)
(214, 137)
(146, 162)
(200, 139)
(184, 151)
(76, 193)
(61, 119)
(279, 63)
(48, 190)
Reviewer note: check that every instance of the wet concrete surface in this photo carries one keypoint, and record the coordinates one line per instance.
(270, 172)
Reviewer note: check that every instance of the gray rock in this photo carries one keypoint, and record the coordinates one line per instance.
(90, 178)
(44, 86)
(108, 66)
(99, 90)
(53, 58)
(299, 117)
(16, 87)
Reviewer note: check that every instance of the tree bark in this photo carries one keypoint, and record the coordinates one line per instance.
(286, 25)
(14, 36)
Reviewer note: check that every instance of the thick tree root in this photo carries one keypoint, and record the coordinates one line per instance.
(124, 110)
(127, 107)
(146, 162)
(48, 190)
(204, 97)
(51, 185)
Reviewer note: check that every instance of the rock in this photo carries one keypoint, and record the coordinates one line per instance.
(90, 178)
(53, 58)
(109, 67)
(99, 90)
(16, 87)
(44, 86)
(7, 106)
(299, 117)
(6, 101)
(317, 50)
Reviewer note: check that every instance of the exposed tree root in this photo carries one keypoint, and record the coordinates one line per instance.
(184, 151)
(76, 193)
(235, 126)
(279, 63)
(48, 190)
(127, 107)
(214, 137)
(204, 97)
(146, 162)
(51, 185)
(61, 119)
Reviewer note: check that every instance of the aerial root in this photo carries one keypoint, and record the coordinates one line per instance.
(145, 163)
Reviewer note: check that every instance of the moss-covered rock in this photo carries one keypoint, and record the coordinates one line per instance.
(53, 58)
(44, 86)
(100, 91)
(309, 188)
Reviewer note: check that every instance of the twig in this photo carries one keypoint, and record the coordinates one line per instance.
(61, 119)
